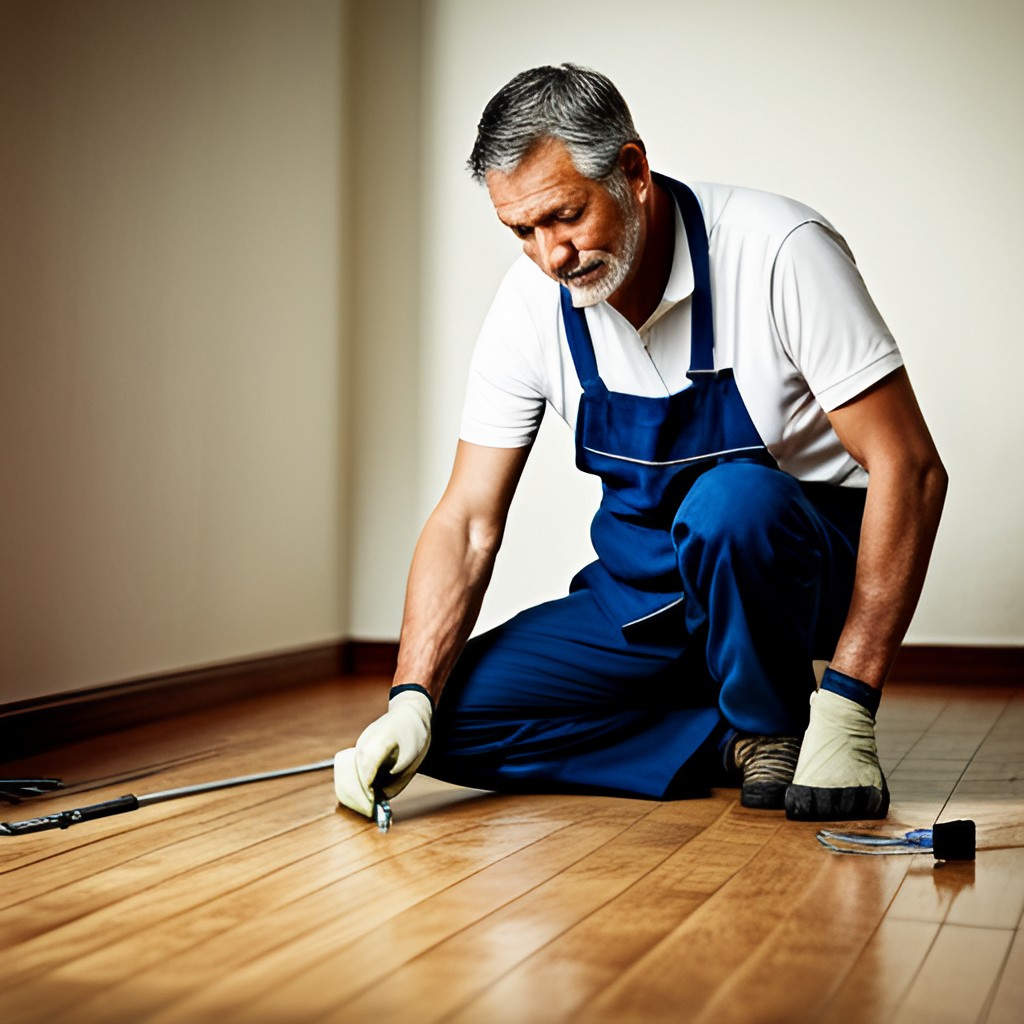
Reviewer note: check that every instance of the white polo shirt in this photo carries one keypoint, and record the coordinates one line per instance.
(792, 317)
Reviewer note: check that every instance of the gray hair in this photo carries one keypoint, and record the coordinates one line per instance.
(580, 107)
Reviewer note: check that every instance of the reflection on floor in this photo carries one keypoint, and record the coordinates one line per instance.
(267, 904)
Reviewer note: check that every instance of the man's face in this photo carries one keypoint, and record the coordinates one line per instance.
(573, 228)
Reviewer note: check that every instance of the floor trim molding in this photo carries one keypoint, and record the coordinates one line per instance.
(915, 663)
(959, 664)
(42, 723)
(32, 726)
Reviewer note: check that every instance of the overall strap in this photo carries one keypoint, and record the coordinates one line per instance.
(702, 333)
(581, 347)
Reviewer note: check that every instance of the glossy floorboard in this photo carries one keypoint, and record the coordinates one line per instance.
(267, 905)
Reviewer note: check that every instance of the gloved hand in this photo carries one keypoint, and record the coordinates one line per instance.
(388, 752)
(838, 777)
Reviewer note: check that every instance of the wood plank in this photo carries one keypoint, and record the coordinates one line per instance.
(930, 889)
(432, 974)
(957, 977)
(924, 778)
(564, 975)
(268, 912)
(267, 904)
(992, 896)
(879, 979)
(700, 953)
(97, 909)
(244, 738)
(70, 856)
(991, 791)
(813, 934)
(1008, 997)
(409, 902)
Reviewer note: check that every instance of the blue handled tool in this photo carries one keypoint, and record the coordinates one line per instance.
(949, 840)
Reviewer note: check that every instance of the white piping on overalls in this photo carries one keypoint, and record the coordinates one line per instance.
(677, 462)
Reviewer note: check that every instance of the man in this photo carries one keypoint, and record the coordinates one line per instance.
(770, 492)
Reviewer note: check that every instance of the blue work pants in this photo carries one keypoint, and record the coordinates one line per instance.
(558, 699)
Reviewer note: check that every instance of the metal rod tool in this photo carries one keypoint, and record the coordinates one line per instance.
(130, 802)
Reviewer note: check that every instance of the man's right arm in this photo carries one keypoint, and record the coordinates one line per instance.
(452, 564)
(451, 569)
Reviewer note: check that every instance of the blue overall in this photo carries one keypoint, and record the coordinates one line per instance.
(718, 579)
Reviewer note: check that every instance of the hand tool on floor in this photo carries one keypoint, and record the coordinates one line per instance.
(16, 790)
(382, 812)
(130, 802)
(950, 840)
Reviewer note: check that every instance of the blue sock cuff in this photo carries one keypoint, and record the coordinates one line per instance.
(852, 689)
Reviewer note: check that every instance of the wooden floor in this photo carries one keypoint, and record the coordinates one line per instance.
(266, 905)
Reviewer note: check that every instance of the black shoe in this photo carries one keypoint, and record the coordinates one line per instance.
(767, 764)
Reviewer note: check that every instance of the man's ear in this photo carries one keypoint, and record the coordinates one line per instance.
(633, 162)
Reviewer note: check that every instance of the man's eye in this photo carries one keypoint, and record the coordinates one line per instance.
(522, 232)
(568, 216)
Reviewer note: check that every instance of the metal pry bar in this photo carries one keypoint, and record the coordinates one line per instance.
(382, 813)
(130, 802)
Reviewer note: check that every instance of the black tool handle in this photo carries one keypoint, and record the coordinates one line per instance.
(65, 819)
(33, 785)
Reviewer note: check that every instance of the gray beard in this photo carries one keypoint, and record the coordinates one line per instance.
(617, 268)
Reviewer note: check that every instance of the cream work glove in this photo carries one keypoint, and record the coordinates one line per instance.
(387, 753)
(838, 777)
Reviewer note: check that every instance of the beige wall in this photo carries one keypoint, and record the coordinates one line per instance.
(385, 354)
(171, 366)
(899, 119)
(241, 270)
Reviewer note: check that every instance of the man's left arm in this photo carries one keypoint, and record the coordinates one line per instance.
(838, 774)
(884, 430)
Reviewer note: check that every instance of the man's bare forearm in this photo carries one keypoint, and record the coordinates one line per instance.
(886, 433)
(452, 565)
(901, 519)
(450, 572)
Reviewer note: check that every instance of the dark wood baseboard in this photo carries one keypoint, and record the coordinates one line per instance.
(915, 663)
(32, 726)
(371, 657)
(958, 665)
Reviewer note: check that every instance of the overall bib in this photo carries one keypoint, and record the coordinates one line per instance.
(718, 579)
(649, 451)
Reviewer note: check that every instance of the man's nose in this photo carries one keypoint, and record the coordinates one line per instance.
(556, 251)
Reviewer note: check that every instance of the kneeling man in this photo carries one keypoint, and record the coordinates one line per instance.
(770, 492)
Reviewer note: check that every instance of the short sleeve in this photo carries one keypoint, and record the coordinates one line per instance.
(827, 323)
(505, 391)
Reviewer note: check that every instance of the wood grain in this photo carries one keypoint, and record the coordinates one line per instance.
(268, 905)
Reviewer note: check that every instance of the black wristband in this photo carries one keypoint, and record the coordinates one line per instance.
(395, 690)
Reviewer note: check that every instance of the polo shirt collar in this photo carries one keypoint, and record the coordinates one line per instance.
(680, 278)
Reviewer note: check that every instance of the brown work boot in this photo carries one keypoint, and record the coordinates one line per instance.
(767, 764)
